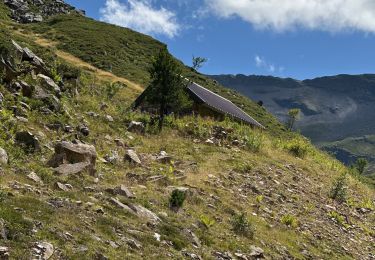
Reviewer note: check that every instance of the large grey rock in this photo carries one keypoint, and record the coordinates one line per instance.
(49, 84)
(28, 140)
(145, 213)
(132, 157)
(72, 158)
(3, 157)
(75, 168)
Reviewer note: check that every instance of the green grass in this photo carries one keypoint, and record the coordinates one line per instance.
(129, 54)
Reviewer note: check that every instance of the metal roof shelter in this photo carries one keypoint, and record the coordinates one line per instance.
(220, 104)
(213, 101)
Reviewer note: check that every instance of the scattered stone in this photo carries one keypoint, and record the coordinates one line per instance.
(84, 130)
(109, 118)
(132, 157)
(256, 252)
(28, 140)
(136, 127)
(4, 253)
(120, 205)
(3, 231)
(133, 244)
(163, 157)
(120, 142)
(34, 177)
(62, 186)
(3, 157)
(92, 114)
(43, 250)
(123, 191)
(113, 158)
(145, 213)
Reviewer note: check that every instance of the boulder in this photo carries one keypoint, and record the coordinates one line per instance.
(27, 90)
(75, 168)
(142, 212)
(28, 140)
(49, 84)
(136, 127)
(3, 157)
(72, 158)
(132, 157)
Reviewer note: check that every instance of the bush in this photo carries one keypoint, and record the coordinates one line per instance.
(242, 226)
(338, 218)
(207, 221)
(289, 220)
(298, 148)
(360, 165)
(253, 142)
(339, 188)
(177, 199)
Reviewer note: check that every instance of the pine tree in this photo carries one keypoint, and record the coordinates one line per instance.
(167, 87)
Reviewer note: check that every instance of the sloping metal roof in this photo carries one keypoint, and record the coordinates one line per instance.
(221, 104)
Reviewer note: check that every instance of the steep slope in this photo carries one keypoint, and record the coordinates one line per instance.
(78, 210)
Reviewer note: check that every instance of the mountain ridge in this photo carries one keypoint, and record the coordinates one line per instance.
(84, 177)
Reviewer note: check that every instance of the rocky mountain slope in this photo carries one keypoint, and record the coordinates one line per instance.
(83, 177)
(333, 108)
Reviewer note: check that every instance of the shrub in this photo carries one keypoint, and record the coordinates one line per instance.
(177, 199)
(242, 226)
(207, 221)
(289, 220)
(338, 191)
(298, 148)
(243, 168)
(339, 219)
(360, 165)
(253, 142)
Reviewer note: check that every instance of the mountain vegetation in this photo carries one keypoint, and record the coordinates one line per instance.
(82, 176)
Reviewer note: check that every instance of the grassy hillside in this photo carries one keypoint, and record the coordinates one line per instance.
(129, 54)
(244, 190)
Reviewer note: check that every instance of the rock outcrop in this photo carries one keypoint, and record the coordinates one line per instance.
(31, 11)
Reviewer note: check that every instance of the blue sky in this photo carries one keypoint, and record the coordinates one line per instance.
(288, 38)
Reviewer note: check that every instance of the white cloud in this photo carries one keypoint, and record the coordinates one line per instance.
(282, 15)
(141, 16)
(261, 63)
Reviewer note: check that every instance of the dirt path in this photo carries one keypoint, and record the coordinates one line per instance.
(84, 65)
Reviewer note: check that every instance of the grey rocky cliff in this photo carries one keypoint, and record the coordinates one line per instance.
(30, 11)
